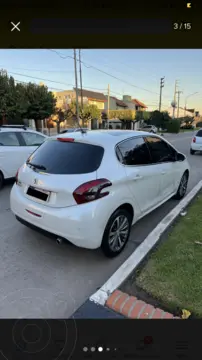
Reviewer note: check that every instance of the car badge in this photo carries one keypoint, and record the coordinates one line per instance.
(35, 181)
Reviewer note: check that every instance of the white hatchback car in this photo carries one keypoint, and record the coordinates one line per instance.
(90, 188)
(196, 143)
(16, 144)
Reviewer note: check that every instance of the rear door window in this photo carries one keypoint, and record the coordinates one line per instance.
(134, 151)
(160, 150)
(32, 139)
(65, 158)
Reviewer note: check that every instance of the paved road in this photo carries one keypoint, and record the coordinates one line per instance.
(41, 279)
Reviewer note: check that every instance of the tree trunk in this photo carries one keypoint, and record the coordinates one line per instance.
(37, 124)
(58, 127)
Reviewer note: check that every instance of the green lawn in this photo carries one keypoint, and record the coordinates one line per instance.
(173, 274)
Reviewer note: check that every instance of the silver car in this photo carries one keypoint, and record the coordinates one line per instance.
(149, 128)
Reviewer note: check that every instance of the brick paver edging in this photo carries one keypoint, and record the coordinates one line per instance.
(133, 308)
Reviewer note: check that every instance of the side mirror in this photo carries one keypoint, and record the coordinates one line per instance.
(180, 157)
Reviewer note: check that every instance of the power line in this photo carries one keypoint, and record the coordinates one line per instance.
(61, 83)
(102, 71)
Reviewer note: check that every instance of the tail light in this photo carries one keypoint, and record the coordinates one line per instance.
(91, 190)
(17, 179)
(66, 139)
(194, 139)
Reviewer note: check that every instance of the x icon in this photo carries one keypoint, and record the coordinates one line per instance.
(15, 26)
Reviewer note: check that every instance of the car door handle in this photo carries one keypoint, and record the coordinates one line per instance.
(163, 172)
(137, 177)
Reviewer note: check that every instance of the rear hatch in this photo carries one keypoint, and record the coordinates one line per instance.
(198, 137)
(57, 168)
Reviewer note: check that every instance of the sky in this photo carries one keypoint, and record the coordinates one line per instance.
(128, 72)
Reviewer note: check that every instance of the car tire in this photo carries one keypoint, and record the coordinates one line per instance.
(1, 180)
(108, 245)
(192, 152)
(182, 189)
(152, 132)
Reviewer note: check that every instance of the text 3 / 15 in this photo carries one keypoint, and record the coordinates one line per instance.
(182, 26)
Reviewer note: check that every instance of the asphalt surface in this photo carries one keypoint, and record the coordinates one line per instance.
(39, 278)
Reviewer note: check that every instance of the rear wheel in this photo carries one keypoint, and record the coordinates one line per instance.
(192, 152)
(1, 180)
(116, 233)
(182, 189)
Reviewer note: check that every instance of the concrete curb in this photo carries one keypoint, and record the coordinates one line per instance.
(101, 296)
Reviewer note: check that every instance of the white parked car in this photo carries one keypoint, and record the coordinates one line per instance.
(90, 188)
(16, 144)
(196, 143)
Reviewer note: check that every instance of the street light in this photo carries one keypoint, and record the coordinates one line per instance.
(185, 107)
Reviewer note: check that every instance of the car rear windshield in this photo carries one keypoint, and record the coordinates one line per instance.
(57, 157)
(199, 133)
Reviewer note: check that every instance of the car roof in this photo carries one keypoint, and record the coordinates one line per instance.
(19, 129)
(104, 137)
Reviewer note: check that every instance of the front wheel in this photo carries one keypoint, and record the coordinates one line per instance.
(182, 189)
(116, 233)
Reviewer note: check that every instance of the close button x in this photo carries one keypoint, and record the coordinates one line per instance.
(15, 26)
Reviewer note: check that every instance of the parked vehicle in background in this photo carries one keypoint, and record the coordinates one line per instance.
(92, 197)
(70, 130)
(16, 144)
(149, 128)
(187, 127)
(196, 142)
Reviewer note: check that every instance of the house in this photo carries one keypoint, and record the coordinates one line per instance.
(92, 98)
(115, 104)
(89, 97)
(64, 98)
(139, 106)
(134, 104)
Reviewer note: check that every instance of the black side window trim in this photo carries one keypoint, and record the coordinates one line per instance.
(20, 139)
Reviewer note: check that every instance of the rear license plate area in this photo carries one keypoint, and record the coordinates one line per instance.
(38, 194)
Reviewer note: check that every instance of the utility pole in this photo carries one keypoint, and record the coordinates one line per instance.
(161, 87)
(80, 71)
(175, 91)
(108, 106)
(76, 87)
(178, 102)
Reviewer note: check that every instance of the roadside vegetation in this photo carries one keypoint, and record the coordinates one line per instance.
(173, 273)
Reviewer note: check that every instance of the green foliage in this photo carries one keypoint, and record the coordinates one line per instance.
(19, 101)
(159, 119)
(86, 114)
(173, 126)
(122, 114)
(143, 115)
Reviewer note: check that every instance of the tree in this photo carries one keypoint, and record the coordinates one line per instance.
(7, 100)
(88, 113)
(41, 103)
(19, 101)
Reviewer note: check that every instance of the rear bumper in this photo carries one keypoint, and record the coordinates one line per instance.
(196, 147)
(77, 224)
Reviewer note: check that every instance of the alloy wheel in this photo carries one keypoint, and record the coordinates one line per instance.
(118, 233)
(183, 185)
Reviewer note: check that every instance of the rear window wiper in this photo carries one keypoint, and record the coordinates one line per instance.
(36, 166)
